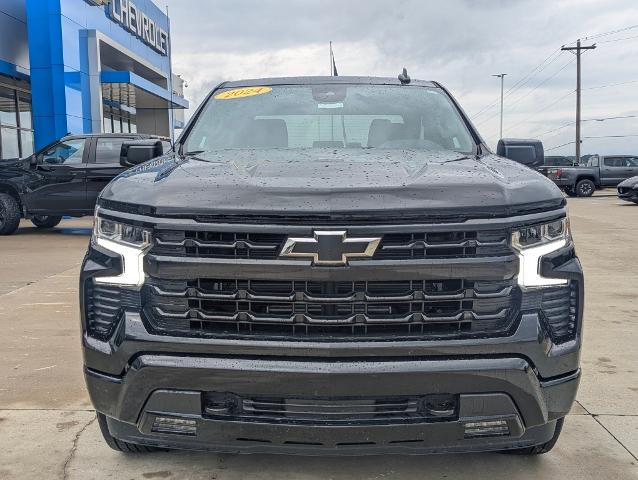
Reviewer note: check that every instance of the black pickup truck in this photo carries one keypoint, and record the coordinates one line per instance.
(333, 265)
(596, 172)
(64, 178)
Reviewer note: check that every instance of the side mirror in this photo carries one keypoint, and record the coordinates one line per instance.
(529, 152)
(140, 151)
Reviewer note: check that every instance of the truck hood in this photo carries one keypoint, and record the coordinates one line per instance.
(333, 181)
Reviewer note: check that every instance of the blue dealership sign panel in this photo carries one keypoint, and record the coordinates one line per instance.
(63, 60)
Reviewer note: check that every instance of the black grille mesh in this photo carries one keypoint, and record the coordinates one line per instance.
(331, 411)
(394, 246)
(330, 310)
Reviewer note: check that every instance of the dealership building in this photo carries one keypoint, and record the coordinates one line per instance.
(84, 66)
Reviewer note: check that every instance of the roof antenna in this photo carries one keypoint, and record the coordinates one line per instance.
(333, 64)
(404, 78)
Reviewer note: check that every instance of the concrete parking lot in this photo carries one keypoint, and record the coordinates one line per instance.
(48, 430)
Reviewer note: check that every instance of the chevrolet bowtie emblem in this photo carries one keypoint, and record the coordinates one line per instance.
(330, 247)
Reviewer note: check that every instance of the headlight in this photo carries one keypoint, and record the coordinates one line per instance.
(129, 241)
(532, 243)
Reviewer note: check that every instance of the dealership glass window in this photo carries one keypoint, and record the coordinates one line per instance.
(118, 121)
(16, 129)
(107, 124)
(8, 107)
(26, 137)
(10, 145)
(24, 105)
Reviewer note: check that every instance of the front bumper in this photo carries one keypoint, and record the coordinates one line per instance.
(628, 194)
(488, 389)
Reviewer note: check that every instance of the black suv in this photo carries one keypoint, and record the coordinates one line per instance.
(64, 178)
(331, 265)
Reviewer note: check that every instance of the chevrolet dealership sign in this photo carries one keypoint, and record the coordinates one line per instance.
(139, 24)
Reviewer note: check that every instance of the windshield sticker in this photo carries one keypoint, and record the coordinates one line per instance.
(330, 105)
(242, 92)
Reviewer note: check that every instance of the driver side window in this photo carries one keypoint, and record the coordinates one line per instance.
(67, 152)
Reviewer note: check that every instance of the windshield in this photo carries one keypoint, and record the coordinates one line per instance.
(329, 116)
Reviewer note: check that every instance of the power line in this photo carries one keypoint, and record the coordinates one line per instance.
(614, 136)
(530, 74)
(540, 84)
(611, 85)
(591, 137)
(558, 146)
(543, 82)
(602, 119)
(522, 81)
(611, 32)
(617, 39)
(563, 97)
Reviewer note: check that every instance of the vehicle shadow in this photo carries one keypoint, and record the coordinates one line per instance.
(395, 467)
(58, 231)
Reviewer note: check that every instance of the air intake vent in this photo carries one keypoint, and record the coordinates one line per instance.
(560, 310)
(104, 305)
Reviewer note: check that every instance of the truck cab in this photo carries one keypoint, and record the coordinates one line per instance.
(613, 168)
(62, 179)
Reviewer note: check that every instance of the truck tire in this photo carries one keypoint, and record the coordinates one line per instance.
(585, 188)
(119, 445)
(9, 214)
(543, 447)
(45, 221)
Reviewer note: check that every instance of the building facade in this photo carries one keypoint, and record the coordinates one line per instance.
(84, 66)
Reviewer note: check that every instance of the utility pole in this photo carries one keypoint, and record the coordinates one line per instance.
(578, 48)
(502, 77)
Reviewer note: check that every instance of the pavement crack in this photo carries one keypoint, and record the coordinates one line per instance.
(71, 454)
(595, 417)
(33, 282)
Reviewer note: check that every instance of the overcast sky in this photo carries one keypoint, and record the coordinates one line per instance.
(460, 43)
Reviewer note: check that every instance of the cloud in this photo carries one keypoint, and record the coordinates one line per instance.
(460, 43)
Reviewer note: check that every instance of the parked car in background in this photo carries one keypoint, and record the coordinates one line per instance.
(597, 172)
(64, 178)
(628, 190)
